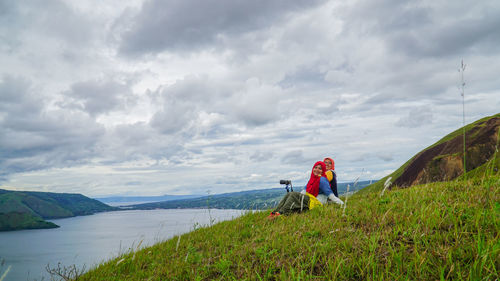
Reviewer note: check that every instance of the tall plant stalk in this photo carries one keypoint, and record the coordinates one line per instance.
(462, 87)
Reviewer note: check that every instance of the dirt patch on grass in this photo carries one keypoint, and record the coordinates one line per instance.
(445, 161)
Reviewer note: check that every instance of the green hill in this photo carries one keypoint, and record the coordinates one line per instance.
(434, 231)
(27, 210)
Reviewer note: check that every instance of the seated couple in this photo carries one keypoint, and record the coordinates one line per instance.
(321, 189)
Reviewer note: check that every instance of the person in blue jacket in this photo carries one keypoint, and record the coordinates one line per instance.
(316, 193)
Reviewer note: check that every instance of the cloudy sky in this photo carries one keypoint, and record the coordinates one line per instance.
(133, 97)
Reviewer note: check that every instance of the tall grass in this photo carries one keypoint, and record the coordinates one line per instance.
(438, 231)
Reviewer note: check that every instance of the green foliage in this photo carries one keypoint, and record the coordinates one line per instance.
(77, 204)
(26, 210)
(18, 220)
(437, 231)
(47, 209)
(10, 202)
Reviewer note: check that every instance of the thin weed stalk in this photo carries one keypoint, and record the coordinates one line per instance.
(5, 273)
(208, 206)
(354, 189)
(345, 203)
(462, 85)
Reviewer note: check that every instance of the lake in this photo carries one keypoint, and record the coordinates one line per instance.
(90, 240)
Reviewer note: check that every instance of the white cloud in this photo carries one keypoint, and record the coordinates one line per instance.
(187, 25)
(182, 96)
(416, 117)
(98, 97)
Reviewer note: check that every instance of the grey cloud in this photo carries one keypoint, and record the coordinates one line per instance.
(133, 135)
(142, 142)
(175, 116)
(180, 104)
(255, 112)
(308, 77)
(417, 82)
(416, 117)
(98, 97)
(469, 35)
(297, 81)
(211, 107)
(360, 158)
(330, 108)
(387, 157)
(256, 104)
(197, 151)
(197, 89)
(187, 25)
(33, 137)
(261, 156)
(293, 157)
(16, 97)
(436, 29)
(233, 181)
(51, 18)
(338, 77)
(134, 183)
(253, 141)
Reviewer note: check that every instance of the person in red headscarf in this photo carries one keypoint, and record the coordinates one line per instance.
(325, 193)
(315, 193)
(331, 176)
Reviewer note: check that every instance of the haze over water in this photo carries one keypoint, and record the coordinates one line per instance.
(90, 240)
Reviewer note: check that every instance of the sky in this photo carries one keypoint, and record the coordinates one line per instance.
(132, 97)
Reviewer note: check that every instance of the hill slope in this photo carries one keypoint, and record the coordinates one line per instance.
(437, 231)
(27, 210)
(443, 161)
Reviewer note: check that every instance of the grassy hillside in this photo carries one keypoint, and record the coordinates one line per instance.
(468, 128)
(475, 151)
(437, 231)
(444, 160)
(27, 210)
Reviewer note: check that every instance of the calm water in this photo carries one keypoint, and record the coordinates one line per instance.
(90, 240)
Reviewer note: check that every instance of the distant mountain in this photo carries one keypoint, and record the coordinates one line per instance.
(244, 200)
(29, 209)
(443, 161)
(126, 200)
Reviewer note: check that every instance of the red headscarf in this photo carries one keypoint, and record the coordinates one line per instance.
(312, 186)
(333, 163)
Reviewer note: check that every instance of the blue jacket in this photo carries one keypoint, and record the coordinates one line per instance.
(324, 187)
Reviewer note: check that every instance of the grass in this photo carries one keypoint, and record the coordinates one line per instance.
(437, 231)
